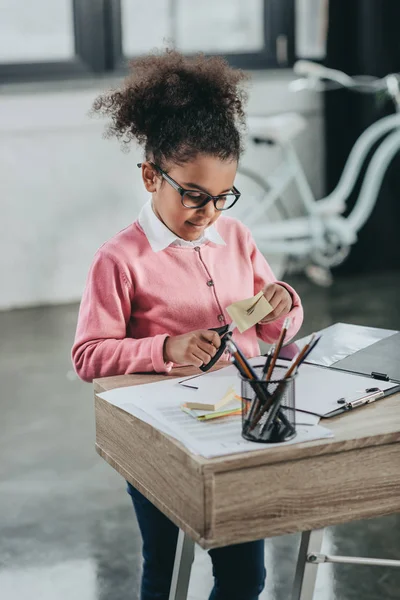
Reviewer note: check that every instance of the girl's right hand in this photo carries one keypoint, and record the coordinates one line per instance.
(195, 348)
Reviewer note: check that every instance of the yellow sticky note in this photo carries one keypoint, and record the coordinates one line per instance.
(207, 406)
(238, 311)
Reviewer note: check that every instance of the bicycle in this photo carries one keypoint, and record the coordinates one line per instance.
(321, 237)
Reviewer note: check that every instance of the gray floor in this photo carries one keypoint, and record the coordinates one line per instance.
(67, 529)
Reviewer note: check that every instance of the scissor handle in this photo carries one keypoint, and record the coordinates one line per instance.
(222, 331)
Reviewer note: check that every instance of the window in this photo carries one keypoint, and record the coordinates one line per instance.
(48, 39)
(311, 28)
(28, 34)
(252, 34)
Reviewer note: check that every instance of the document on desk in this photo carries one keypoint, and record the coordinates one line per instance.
(160, 405)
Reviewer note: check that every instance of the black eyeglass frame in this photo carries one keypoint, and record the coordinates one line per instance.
(182, 191)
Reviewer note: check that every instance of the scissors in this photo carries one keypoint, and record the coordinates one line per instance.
(225, 333)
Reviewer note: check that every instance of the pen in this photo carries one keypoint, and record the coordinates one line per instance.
(286, 325)
(268, 361)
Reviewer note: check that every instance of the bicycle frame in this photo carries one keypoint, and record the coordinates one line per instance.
(306, 235)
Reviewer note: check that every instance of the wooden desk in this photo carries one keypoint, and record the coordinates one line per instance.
(268, 492)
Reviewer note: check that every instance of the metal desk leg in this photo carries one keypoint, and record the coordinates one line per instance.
(184, 557)
(306, 572)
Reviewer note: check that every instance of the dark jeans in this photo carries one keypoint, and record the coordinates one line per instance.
(239, 572)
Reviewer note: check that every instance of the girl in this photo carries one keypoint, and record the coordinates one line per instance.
(155, 289)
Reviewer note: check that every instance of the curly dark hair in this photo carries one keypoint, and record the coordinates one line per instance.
(178, 107)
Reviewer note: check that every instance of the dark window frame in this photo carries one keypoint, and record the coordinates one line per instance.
(89, 32)
(98, 45)
(278, 21)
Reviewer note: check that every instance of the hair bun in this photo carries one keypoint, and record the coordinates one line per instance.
(170, 101)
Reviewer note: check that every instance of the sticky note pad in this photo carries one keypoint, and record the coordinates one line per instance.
(201, 404)
(232, 408)
(238, 311)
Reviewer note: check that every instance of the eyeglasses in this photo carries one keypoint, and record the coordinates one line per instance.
(197, 199)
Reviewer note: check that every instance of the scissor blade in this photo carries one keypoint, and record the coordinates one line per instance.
(231, 327)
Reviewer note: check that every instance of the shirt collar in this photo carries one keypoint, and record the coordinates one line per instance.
(160, 237)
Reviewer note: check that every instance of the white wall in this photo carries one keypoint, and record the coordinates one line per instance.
(64, 189)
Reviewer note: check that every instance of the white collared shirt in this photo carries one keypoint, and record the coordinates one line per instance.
(160, 237)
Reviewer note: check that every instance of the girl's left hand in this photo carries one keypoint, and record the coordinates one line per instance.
(280, 300)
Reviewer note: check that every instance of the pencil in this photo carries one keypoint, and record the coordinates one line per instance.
(268, 361)
(279, 343)
(296, 362)
(240, 360)
(243, 366)
(311, 348)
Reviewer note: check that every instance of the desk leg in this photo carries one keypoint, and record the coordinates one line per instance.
(184, 557)
(306, 572)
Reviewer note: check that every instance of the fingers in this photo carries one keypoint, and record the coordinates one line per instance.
(194, 348)
(279, 311)
(280, 300)
(269, 292)
(207, 350)
(199, 359)
(274, 294)
(211, 337)
(203, 347)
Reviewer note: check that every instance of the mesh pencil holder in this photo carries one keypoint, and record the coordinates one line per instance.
(268, 409)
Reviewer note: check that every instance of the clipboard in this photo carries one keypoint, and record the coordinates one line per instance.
(380, 360)
(366, 352)
(369, 351)
(347, 404)
(328, 392)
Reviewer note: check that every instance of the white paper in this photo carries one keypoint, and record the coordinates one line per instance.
(222, 436)
(160, 403)
(213, 385)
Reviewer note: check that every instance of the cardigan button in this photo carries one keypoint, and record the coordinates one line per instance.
(210, 282)
(197, 248)
(221, 318)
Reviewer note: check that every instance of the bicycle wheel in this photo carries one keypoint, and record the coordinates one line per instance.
(253, 207)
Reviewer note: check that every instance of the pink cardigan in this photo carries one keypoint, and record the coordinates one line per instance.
(134, 298)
